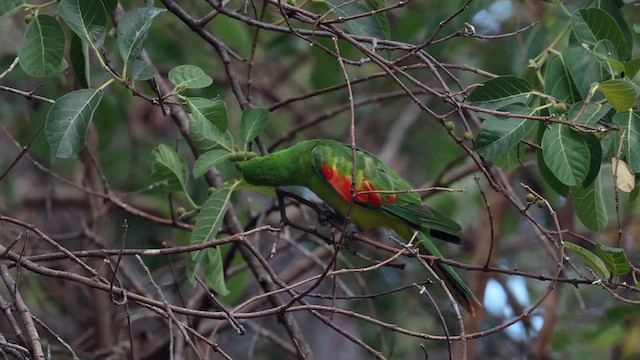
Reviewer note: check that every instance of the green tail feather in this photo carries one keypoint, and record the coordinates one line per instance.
(459, 290)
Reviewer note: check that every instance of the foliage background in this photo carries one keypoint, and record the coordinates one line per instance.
(105, 197)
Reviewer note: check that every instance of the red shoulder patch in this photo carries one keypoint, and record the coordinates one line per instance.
(374, 198)
(342, 185)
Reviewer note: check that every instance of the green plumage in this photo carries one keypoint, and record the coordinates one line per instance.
(326, 168)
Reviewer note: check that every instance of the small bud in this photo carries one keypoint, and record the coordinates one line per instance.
(560, 108)
(180, 211)
(540, 204)
(28, 18)
(211, 190)
(449, 125)
(530, 198)
(467, 135)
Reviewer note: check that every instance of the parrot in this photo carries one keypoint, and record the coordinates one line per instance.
(326, 167)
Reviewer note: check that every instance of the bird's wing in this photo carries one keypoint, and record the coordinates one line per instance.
(334, 162)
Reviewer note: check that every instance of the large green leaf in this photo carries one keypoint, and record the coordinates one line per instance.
(591, 114)
(614, 258)
(559, 83)
(133, 29)
(78, 54)
(212, 111)
(207, 225)
(206, 136)
(620, 93)
(544, 170)
(617, 11)
(252, 122)
(501, 91)
(208, 160)
(381, 17)
(590, 258)
(589, 205)
(233, 33)
(170, 167)
(88, 19)
(110, 5)
(68, 119)
(629, 124)
(595, 158)
(632, 67)
(10, 7)
(566, 153)
(140, 70)
(583, 67)
(375, 26)
(592, 25)
(41, 52)
(510, 160)
(212, 266)
(189, 77)
(605, 53)
(499, 135)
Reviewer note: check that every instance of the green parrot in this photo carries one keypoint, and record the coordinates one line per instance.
(326, 166)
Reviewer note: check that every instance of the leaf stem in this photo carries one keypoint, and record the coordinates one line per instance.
(106, 84)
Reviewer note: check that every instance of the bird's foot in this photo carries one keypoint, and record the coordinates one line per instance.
(329, 217)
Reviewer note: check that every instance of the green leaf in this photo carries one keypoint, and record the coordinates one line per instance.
(10, 7)
(544, 170)
(232, 33)
(371, 26)
(592, 113)
(212, 111)
(614, 258)
(110, 5)
(214, 271)
(559, 83)
(590, 258)
(205, 136)
(501, 91)
(189, 77)
(208, 160)
(68, 119)
(614, 9)
(589, 206)
(88, 19)
(252, 122)
(140, 70)
(381, 17)
(620, 93)
(592, 25)
(78, 54)
(207, 225)
(583, 67)
(606, 55)
(499, 135)
(629, 124)
(565, 152)
(595, 158)
(169, 166)
(133, 29)
(41, 52)
(631, 68)
(210, 218)
(510, 160)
